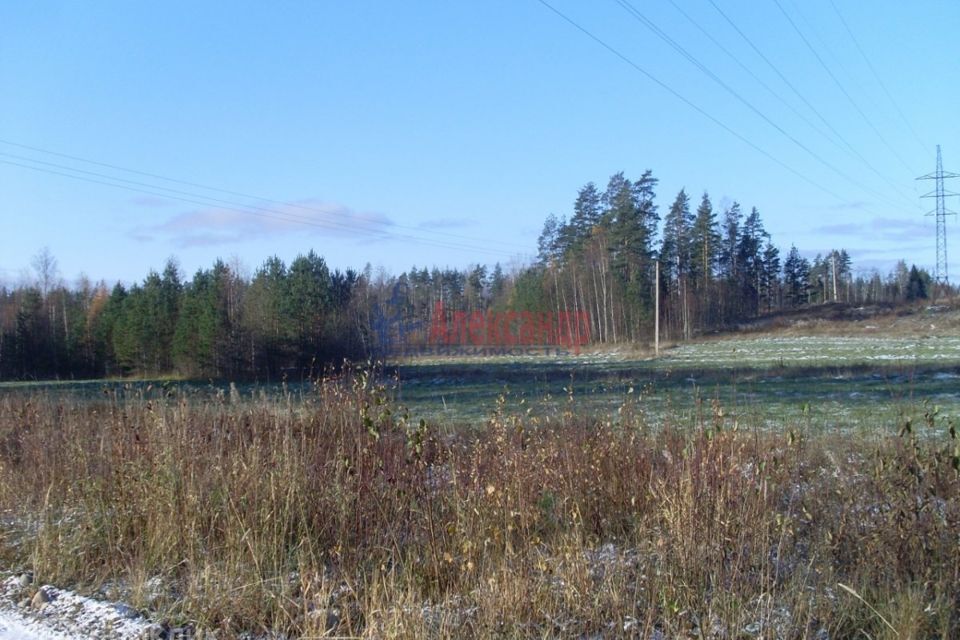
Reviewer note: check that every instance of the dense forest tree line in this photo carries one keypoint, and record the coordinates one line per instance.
(217, 324)
(716, 269)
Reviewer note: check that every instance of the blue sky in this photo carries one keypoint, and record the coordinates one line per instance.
(443, 133)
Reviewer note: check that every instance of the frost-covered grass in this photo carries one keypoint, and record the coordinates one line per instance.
(824, 381)
(334, 511)
(806, 351)
(742, 352)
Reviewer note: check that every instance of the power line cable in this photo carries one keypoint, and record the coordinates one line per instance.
(780, 74)
(690, 103)
(830, 55)
(640, 17)
(263, 212)
(877, 77)
(840, 86)
(852, 79)
(782, 77)
(346, 225)
(295, 205)
(706, 33)
(839, 143)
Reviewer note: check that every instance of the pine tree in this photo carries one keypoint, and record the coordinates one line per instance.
(32, 355)
(307, 300)
(168, 306)
(548, 244)
(676, 245)
(730, 235)
(675, 251)
(586, 214)
(267, 325)
(498, 283)
(476, 284)
(917, 284)
(729, 266)
(104, 326)
(750, 262)
(201, 327)
(632, 217)
(770, 277)
(704, 245)
(796, 282)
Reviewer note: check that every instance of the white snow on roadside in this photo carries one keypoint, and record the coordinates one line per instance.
(11, 629)
(67, 616)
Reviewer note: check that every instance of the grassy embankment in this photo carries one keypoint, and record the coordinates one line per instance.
(336, 513)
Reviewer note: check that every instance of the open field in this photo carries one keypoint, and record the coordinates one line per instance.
(764, 486)
(826, 382)
(823, 381)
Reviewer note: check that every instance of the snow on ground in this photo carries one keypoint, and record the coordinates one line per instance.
(13, 630)
(817, 350)
(64, 615)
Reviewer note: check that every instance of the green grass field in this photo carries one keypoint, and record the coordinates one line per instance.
(823, 382)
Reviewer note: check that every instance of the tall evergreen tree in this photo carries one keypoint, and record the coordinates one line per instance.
(307, 300)
(704, 244)
(201, 327)
(750, 262)
(586, 214)
(498, 283)
(917, 284)
(632, 216)
(796, 278)
(675, 247)
(770, 277)
(730, 236)
(675, 251)
(267, 325)
(548, 244)
(166, 311)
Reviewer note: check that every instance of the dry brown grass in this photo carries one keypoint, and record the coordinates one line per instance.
(924, 318)
(337, 514)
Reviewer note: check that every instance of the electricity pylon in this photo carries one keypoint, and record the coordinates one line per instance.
(941, 212)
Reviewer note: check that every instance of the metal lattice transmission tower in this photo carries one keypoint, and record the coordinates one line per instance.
(941, 212)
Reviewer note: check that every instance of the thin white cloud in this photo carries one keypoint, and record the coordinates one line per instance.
(848, 206)
(895, 229)
(220, 226)
(899, 251)
(140, 236)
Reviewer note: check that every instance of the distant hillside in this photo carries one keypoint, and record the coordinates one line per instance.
(835, 318)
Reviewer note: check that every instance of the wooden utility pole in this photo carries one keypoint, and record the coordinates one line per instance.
(656, 311)
(834, 263)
